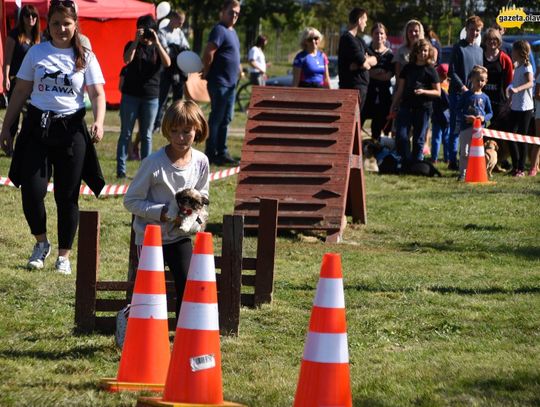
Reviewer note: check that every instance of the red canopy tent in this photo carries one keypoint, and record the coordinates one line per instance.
(109, 24)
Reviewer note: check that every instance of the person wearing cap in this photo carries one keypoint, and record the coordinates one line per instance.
(440, 118)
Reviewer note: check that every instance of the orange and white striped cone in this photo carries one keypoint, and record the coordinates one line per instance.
(324, 375)
(476, 163)
(194, 376)
(146, 351)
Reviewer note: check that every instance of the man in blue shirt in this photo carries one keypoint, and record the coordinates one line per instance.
(222, 68)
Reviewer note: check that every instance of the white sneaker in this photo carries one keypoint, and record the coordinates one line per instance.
(39, 254)
(63, 265)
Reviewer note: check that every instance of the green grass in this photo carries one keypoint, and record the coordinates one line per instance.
(442, 290)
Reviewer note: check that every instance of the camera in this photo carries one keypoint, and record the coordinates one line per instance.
(148, 34)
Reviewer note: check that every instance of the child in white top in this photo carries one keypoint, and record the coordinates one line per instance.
(535, 155)
(177, 166)
(521, 92)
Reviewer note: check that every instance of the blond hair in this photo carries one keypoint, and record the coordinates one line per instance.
(523, 49)
(492, 33)
(477, 71)
(185, 113)
(421, 33)
(309, 32)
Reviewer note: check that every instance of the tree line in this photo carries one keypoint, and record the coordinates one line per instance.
(444, 16)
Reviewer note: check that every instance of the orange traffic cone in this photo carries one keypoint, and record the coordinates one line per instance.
(146, 351)
(476, 164)
(194, 376)
(324, 375)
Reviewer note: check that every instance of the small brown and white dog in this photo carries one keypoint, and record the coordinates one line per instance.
(191, 215)
(491, 148)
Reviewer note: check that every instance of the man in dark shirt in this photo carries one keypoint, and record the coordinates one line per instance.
(222, 68)
(353, 60)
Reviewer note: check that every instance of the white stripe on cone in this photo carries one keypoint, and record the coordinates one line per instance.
(148, 306)
(476, 151)
(202, 268)
(197, 315)
(151, 259)
(326, 348)
(329, 293)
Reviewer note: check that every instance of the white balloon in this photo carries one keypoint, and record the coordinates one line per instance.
(463, 34)
(189, 62)
(163, 9)
(164, 23)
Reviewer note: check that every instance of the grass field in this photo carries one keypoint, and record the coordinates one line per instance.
(442, 290)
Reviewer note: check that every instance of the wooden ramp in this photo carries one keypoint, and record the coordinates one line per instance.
(303, 147)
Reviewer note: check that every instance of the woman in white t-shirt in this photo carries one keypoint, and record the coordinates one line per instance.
(54, 139)
(257, 62)
(521, 108)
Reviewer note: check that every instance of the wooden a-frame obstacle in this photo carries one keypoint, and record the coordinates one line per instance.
(304, 148)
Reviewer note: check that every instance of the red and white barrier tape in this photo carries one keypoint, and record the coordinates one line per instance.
(113, 190)
(503, 135)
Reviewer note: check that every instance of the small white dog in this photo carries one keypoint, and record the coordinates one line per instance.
(189, 214)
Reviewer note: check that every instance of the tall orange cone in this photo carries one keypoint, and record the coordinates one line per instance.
(194, 376)
(476, 164)
(146, 351)
(324, 375)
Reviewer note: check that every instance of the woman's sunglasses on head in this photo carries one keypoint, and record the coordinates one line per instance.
(63, 3)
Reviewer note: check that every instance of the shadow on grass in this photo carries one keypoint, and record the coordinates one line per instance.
(368, 401)
(83, 351)
(448, 290)
(504, 387)
(528, 252)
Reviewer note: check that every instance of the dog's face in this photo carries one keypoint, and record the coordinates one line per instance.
(190, 199)
(370, 148)
(491, 145)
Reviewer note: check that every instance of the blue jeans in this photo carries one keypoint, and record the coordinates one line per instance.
(222, 104)
(134, 108)
(418, 118)
(453, 138)
(166, 81)
(439, 136)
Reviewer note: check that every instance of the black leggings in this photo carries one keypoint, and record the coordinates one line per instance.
(177, 255)
(519, 123)
(39, 163)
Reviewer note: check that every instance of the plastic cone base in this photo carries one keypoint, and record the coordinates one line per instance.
(157, 402)
(483, 183)
(112, 386)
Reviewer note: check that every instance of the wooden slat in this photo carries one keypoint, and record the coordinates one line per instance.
(231, 272)
(87, 270)
(264, 276)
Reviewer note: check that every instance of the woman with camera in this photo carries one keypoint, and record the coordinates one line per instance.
(145, 58)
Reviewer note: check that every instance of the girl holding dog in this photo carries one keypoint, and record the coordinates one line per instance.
(175, 167)
(54, 139)
(418, 85)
